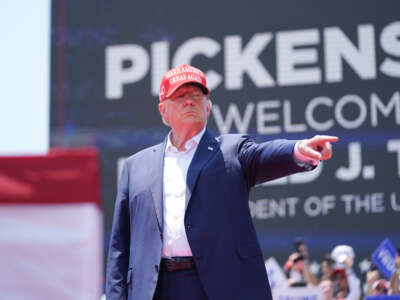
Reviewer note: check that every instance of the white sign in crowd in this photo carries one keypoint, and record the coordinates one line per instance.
(281, 289)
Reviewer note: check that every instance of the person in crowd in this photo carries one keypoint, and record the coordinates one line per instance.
(372, 276)
(381, 287)
(297, 267)
(395, 279)
(294, 270)
(340, 285)
(301, 247)
(326, 286)
(343, 255)
(326, 267)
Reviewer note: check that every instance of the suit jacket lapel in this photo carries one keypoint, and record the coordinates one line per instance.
(206, 149)
(157, 171)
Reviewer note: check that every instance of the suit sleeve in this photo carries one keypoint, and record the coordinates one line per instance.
(118, 254)
(267, 161)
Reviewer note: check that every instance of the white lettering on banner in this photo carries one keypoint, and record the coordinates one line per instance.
(359, 103)
(390, 42)
(355, 169)
(263, 117)
(309, 114)
(272, 117)
(355, 164)
(393, 105)
(394, 146)
(289, 57)
(320, 206)
(338, 47)
(159, 64)
(117, 75)
(271, 208)
(233, 116)
(238, 62)
(315, 206)
(191, 48)
(369, 203)
(394, 205)
(296, 56)
(288, 126)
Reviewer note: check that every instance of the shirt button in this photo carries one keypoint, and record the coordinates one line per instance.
(189, 226)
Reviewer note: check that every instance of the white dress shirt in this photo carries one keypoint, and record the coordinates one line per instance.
(176, 165)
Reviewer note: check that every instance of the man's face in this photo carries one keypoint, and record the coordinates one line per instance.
(186, 107)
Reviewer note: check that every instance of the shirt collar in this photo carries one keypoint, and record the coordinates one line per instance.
(190, 144)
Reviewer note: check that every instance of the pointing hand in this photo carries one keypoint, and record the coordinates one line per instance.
(318, 147)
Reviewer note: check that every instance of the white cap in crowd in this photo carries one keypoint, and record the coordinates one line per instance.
(341, 252)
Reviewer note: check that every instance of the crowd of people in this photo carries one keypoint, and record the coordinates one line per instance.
(336, 277)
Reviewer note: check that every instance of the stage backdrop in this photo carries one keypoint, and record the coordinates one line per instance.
(276, 70)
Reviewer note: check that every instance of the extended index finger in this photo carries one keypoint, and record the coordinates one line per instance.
(322, 139)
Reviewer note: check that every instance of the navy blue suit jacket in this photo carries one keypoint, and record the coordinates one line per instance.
(218, 223)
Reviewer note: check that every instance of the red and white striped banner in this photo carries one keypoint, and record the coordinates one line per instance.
(51, 226)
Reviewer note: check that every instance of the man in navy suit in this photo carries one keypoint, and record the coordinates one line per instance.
(182, 228)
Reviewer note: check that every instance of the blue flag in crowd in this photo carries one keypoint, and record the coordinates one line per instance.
(384, 257)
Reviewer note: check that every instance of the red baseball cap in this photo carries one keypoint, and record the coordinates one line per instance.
(179, 76)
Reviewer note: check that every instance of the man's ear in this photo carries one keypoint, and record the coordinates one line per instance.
(209, 106)
(161, 109)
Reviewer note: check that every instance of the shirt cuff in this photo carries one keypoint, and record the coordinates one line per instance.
(302, 159)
